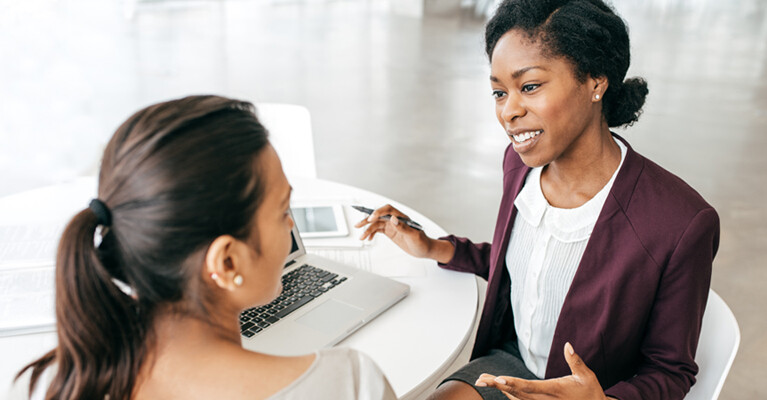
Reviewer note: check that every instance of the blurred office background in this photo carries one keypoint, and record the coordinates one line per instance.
(400, 103)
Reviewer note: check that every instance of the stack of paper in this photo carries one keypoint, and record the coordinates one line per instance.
(27, 277)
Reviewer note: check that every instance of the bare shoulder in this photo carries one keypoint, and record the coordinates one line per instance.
(222, 372)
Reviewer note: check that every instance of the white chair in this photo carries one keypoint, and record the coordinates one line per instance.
(719, 341)
(290, 132)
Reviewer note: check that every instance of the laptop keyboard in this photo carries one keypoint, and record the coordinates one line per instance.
(299, 287)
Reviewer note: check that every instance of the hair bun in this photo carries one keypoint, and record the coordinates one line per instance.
(625, 105)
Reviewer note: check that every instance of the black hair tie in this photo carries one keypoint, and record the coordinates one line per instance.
(103, 216)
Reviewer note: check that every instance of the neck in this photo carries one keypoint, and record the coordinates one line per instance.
(173, 333)
(582, 171)
(173, 326)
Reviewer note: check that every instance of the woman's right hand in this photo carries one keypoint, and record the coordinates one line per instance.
(413, 241)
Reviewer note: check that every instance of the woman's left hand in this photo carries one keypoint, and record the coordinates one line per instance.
(581, 385)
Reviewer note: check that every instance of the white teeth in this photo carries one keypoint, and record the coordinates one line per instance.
(521, 137)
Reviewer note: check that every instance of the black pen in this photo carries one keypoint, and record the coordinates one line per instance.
(409, 222)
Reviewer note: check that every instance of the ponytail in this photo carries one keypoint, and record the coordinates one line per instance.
(175, 176)
(100, 331)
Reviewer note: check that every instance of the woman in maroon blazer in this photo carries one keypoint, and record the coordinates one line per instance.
(596, 248)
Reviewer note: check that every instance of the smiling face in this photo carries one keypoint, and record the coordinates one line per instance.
(547, 112)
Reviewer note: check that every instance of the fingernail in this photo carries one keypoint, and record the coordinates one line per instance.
(480, 384)
(395, 221)
(500, 380)
(570, 348)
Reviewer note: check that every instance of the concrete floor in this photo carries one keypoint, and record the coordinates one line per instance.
(400, 105)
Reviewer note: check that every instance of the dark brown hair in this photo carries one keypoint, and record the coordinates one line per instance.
(174, 176)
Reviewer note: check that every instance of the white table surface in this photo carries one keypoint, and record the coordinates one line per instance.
(414, 342)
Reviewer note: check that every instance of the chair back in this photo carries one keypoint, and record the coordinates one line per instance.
(719, 341)
(290, 132)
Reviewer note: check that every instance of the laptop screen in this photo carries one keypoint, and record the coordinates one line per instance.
(297, 248)
(293, 247)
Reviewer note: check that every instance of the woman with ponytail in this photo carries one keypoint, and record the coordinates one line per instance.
(190, 227)
(599, 270)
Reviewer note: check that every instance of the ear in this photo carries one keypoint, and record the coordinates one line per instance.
(220, 261)
(598, 87)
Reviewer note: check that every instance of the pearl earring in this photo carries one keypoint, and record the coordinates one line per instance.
(596, 97)
(214, 276)
(238, 280)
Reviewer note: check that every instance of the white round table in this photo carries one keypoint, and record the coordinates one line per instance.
(414, 342)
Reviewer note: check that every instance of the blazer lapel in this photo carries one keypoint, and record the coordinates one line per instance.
(583, 296)
(513, 183)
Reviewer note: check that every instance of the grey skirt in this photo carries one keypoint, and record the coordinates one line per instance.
(505, 361)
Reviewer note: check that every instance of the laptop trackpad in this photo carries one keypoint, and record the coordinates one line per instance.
(331, 315)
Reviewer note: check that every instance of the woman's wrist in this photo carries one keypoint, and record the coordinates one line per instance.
(441, 251)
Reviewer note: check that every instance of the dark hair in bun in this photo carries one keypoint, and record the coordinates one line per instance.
(586, 32)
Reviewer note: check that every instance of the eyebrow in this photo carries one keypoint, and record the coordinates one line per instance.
(516, 74)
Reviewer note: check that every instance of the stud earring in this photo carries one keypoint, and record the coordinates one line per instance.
(214, 276)
(596, 97)
(238, 280)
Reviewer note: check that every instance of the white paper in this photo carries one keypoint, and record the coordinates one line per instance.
(27, 277)
(383, 257)
(27, 300)
(352, 257)
(380, 256)
(23, 245)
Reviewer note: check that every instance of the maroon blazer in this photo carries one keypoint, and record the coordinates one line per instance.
(635, 306)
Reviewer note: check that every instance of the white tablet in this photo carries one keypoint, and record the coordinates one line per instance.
(320, 221)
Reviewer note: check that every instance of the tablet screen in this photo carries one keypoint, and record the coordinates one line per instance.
(315, 219)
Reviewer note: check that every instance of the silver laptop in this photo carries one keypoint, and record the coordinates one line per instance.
(322, 303)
